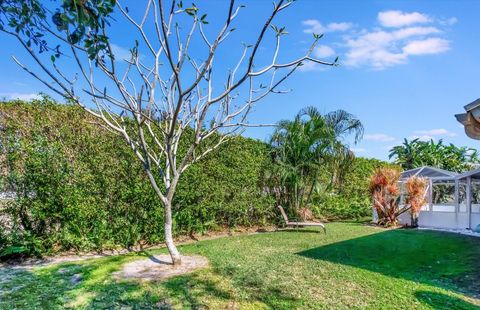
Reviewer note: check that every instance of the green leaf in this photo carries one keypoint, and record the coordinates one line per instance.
(14, 250)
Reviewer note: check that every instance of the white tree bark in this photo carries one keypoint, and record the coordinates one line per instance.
(172, 249)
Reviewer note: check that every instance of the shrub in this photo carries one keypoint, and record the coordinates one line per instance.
(384, 188)
(79, 186)
(416, 198)
(386, 195)
(351, 198)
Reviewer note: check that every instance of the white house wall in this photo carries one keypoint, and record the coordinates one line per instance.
(405, 218)
(448, 220)
(475, 220)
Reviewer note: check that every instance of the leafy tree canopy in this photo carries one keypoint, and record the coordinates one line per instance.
(416, 153)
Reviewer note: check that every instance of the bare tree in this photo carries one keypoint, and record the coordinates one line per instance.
(162, 89)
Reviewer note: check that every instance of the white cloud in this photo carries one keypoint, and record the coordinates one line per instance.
(339, 26)
(309, 66)
(20, 96)
(421, 137)
(408, 32)
(435, 132)
(374, 49)
(380, 49)
(402, 35)
(427, 135)
(358, 150)
(427, 46)
(314, 26)
(323, 51)
(379, 137)
(120, 53)
(470, 152)
(400, 19)
(391, 146)
(449, 21)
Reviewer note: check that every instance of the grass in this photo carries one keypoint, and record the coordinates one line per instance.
(353, 266)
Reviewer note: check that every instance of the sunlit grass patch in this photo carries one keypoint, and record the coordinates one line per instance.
(353, 266)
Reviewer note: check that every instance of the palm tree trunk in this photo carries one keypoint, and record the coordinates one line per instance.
(312, 187)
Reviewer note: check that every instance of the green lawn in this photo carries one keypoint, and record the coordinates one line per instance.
(353, 266)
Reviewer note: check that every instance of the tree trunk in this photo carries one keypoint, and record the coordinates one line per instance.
(172, 249)
(414, 219)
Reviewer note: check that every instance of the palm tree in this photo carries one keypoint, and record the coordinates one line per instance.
(416, 153)
(305, 145)
(406, 154)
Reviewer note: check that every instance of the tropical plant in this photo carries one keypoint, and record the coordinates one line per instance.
(304, 146)
(416, 188)
(166, 86)
(416, 153)
(386, 194)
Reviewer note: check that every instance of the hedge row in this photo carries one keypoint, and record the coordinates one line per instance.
(80, 188)
(350, 200)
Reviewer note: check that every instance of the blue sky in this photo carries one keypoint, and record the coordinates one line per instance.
(406, 66)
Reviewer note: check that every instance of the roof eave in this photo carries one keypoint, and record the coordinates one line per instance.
(472, 105)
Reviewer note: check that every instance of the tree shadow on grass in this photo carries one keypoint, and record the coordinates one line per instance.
(219, 284)
(444, 260)
(198, 290)
(193, 290)
(62, 285)
(441, 301)
(52, 288)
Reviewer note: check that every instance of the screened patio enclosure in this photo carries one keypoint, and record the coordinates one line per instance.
(453, 199)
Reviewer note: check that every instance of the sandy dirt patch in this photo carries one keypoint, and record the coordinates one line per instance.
(65, 257)
(160, 267)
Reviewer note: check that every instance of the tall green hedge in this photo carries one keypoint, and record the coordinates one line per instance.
(79, 186)
(351, 199)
